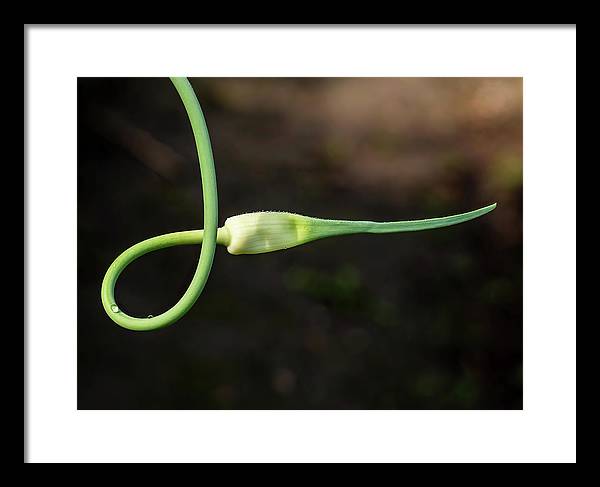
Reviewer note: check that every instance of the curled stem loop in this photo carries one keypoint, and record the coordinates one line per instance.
(208, 236)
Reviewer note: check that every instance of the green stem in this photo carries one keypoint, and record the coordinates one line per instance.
(331, 228)
(208, 236)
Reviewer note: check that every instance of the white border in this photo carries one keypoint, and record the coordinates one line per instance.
(544, 431)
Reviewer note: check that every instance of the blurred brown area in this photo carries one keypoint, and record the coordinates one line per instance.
(425, 320)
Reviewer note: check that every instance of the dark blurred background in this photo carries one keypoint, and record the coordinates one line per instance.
(425, 320)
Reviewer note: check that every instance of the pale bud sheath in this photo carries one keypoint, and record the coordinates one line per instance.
(269, 231)
(266, 231)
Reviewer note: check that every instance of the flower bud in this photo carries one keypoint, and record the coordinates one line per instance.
(265, 231)
(268, 231)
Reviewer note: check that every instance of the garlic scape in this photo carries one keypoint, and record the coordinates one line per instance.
(268, 231)
(249, 233)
